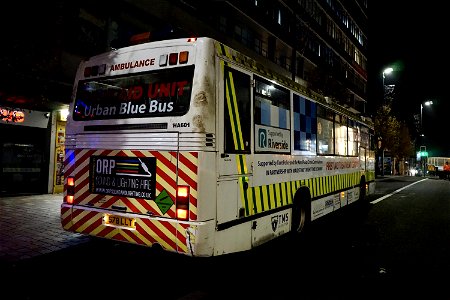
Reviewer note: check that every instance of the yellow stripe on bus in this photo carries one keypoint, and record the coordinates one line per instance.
(265, 195)
(236, 114)
(233, 112)
(275, 195)
(283, 194)
(241, 164)
(273, 200)
(230, 106)
(278, 199)
(258, 201)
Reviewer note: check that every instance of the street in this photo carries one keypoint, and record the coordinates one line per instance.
(395, 246)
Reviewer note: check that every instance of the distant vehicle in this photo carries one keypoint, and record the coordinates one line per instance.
(436, 165)
(190, 145)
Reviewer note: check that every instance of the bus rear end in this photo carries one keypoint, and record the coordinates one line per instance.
(141, 121)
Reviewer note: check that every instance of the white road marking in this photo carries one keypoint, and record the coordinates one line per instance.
(395, 192)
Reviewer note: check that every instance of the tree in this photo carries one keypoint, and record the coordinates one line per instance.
(405, 147)
(386, 128)
(393, 135)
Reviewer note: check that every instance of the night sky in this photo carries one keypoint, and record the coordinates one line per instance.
(412, 40)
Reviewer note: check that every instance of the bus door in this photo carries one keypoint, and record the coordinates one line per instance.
(234, 161)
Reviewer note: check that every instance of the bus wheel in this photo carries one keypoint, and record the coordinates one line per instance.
(362, 190)
(301, 211)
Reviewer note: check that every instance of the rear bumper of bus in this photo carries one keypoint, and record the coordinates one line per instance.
(184, 237)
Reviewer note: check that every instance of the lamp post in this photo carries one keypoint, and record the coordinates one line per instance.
(422, 157)
(426, 103)
(385, 72)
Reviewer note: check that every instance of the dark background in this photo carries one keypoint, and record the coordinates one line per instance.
(411, 38)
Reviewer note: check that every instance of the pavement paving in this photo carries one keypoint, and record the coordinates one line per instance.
(30, 226)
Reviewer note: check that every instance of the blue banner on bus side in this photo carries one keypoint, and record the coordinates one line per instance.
(123, 176)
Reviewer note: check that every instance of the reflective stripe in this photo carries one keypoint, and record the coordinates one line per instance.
(271, 196)
(88, 218)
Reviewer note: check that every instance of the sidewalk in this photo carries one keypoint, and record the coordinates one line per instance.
(30, 226)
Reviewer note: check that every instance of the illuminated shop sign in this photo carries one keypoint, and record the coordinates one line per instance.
(11, 115)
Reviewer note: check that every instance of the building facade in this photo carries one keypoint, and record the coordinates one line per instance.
(321, 44)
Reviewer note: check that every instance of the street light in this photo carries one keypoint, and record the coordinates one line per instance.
(426, 103)
(385, 72)
(424, 153)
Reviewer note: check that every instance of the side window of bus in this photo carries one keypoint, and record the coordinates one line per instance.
(305, 125)
(353, 138)
(364, 136)
(237, 112)
(340, 131)
(373, 141)
(364, 144)
(325, 136)
(272, 117)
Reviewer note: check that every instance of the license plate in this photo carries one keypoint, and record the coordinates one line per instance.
(119, 221)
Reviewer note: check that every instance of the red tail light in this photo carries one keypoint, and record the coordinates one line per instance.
(70, 190)
(173, 59)
(182, 203)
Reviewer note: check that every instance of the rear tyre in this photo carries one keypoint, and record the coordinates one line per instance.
(301, 212)
(362, 190)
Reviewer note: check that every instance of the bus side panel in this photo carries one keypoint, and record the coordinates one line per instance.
(207, 187)
(370, 172)
(234, 239)
(228, 201)
(271, 226)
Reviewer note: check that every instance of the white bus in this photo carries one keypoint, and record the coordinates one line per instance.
(435, 165)
(192, 146)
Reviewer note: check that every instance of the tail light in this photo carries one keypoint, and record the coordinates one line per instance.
(182, 204)
(184, 55)
(70, 190)
(173, 59)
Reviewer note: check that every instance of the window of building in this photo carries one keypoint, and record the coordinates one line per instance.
(258, 46)
(223, 24)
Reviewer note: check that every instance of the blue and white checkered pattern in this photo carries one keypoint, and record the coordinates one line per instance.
(305, 124)
(274, 116)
